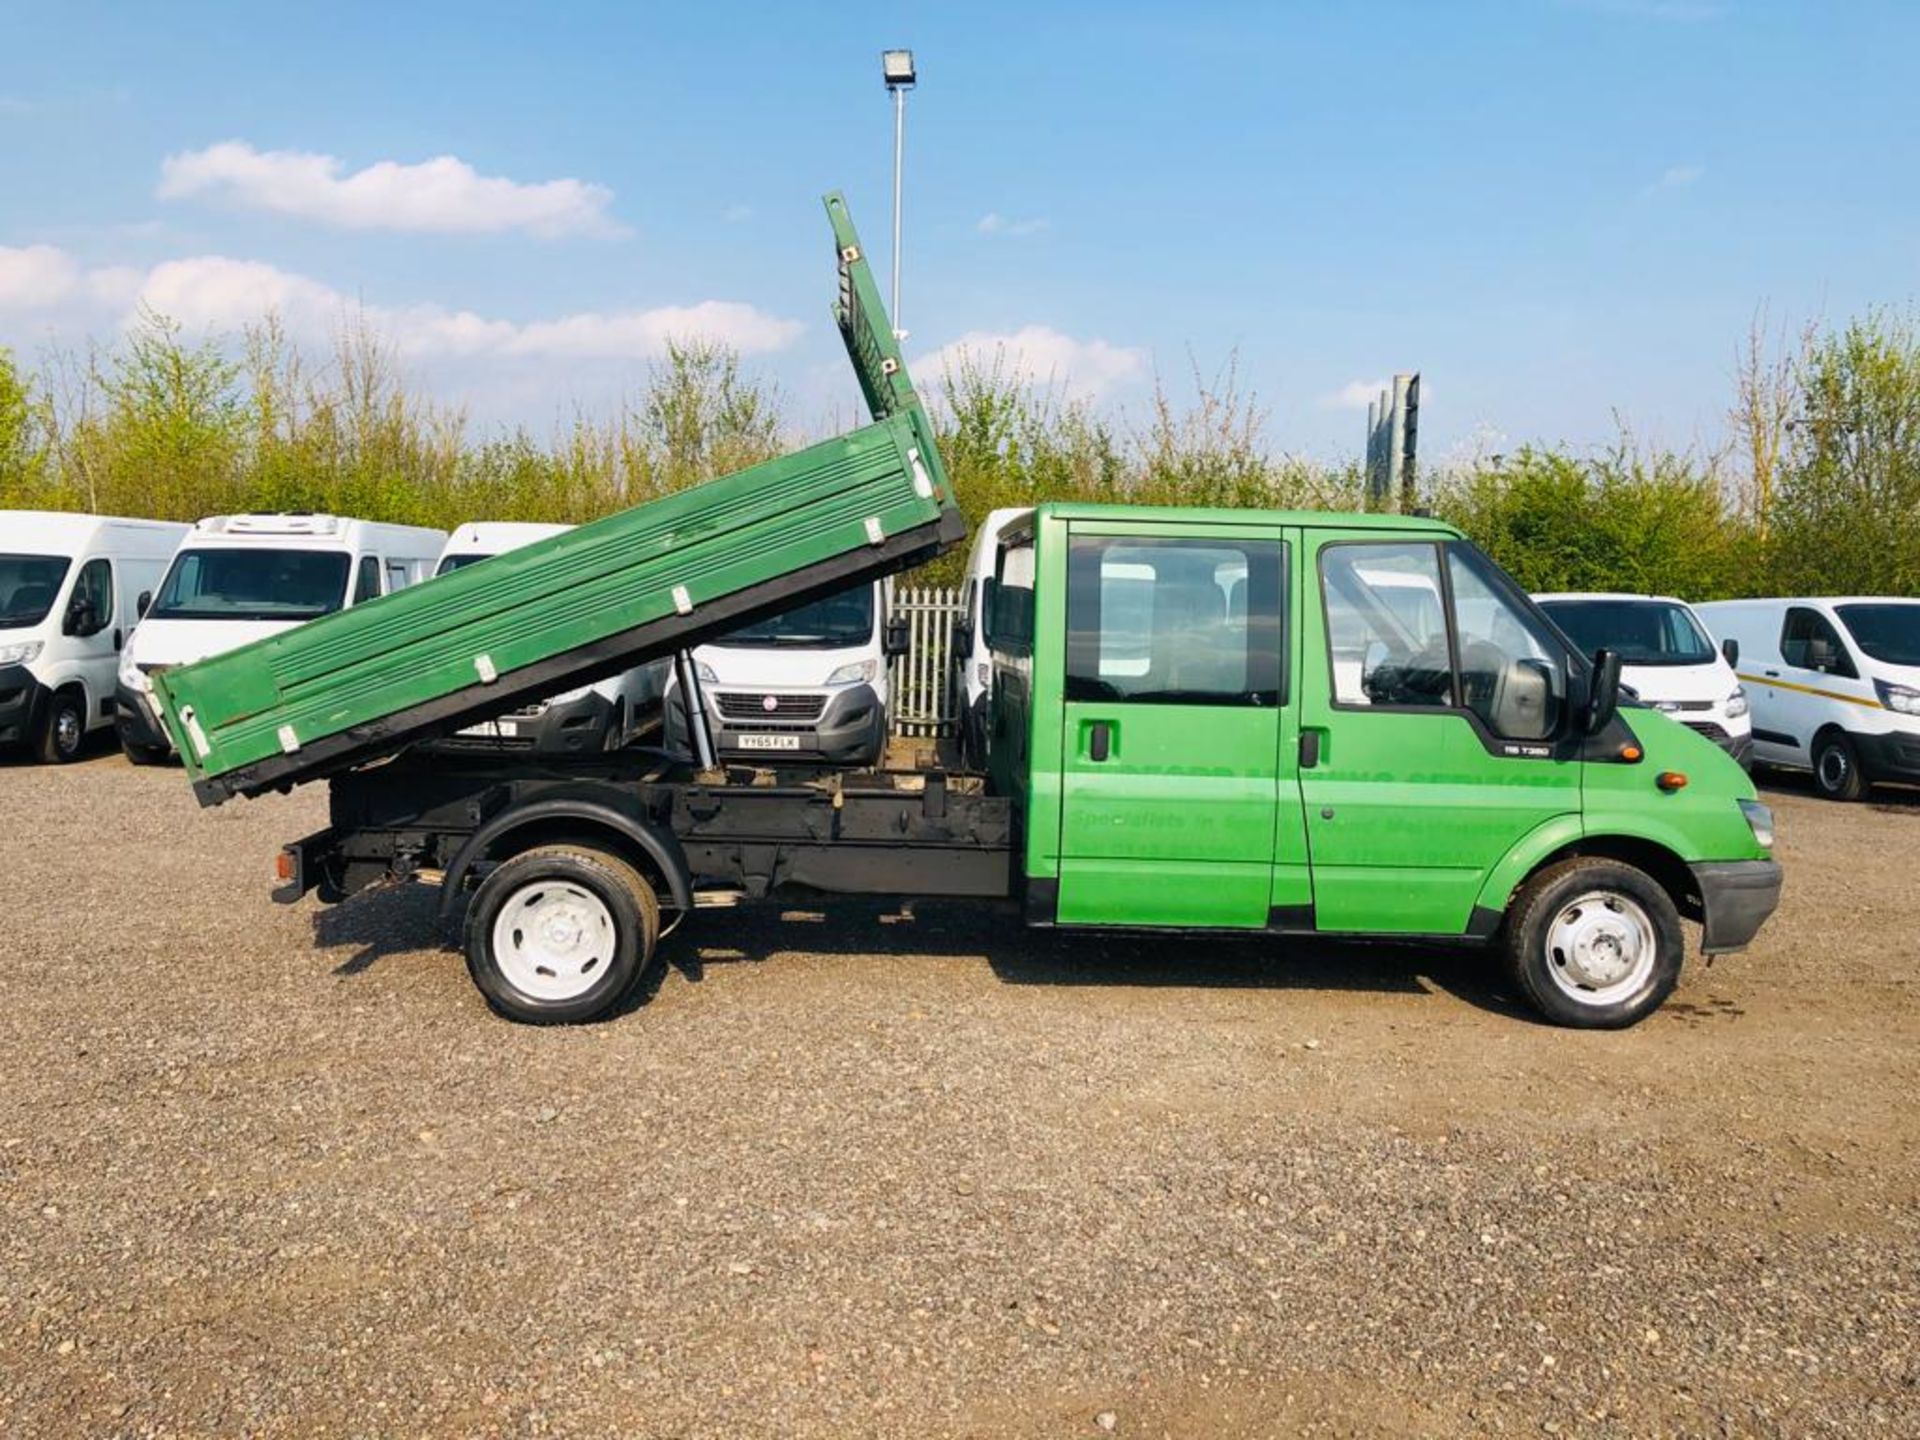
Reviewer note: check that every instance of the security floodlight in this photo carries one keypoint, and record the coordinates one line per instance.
(896, 67)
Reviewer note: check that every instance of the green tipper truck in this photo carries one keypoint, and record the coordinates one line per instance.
(1201, 721)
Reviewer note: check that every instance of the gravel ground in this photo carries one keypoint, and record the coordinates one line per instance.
(277, 1171)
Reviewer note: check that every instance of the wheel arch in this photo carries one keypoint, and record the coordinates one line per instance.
(655, 853)
(1563, 838)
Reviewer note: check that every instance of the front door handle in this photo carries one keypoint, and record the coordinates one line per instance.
(116, 639)
(1099, 741)
(1773, 674)
(1309, 749)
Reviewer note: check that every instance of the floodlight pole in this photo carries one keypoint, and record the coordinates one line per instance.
(899, 151)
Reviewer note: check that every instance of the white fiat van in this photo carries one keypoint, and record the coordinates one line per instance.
(601, 716)
(1667, 656)
(807, 687)
(1835, 683)
(970, 651)
(71, 587)
(239, 578)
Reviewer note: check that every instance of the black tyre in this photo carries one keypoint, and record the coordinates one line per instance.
(1595, 944)
(1836, 767)
(138, 754)
(560, 934)
(64, 734)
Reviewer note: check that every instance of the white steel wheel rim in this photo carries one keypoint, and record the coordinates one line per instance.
(554, 939)
(1601, 948)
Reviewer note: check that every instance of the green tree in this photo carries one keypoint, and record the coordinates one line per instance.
(24, 461)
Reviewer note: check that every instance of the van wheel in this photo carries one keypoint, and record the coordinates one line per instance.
(560, 934)
(1594, 943)
(65, 732)
(1836, 767)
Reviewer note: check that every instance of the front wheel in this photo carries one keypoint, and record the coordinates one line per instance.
(560, 934)
(1594, 943)
(66, 728)
(1836, 768)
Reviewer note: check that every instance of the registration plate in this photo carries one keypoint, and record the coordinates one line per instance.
(768, 742)
(493, 730)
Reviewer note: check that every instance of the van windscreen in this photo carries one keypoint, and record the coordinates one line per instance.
(28, 585)
(1889, 632)
(1641, 632)
(254, 583)
(834, 622)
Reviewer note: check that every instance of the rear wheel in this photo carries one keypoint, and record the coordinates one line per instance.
(65, 732)
(1836, 767)
(1594, 943)
(560, 934)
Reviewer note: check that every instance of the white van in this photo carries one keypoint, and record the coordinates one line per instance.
(1668, 658)
(805, 687)
(1835, 685)
(601, 716)
(970, 650)
(240, 578)
(71, 587)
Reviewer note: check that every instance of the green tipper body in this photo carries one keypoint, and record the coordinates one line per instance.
(1286, 809)
(662, 576)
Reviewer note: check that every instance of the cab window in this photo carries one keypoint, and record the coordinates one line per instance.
(1511, 674)
(1174, 622)
(366, 585)
(1808, 641)
(93, 595)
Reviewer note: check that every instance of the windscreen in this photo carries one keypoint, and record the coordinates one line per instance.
(459, 562)
(28, 585)
(251, 584)
(835, 622)
(1889, 632)
(1641, 632)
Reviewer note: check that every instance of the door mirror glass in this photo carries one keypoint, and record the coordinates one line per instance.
(1731, 649)
(1603, 692)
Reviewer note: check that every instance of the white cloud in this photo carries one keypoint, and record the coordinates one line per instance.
(441, 194)
(1355, 395)
(1677, 177)
(1038, 355)
(37, 277)
(215, 292)
(994, 223)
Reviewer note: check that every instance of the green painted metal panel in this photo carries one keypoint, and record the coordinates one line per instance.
(360, 683)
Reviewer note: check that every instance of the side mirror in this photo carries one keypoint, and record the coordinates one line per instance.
(141, 605)
(1603, 692)
(1731, 649)
(897, 639)
(962, 638)
(81, 619)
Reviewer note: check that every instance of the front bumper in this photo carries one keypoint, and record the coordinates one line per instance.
(850, 730)
(573, 727)
(1893, 756)
(23, 705)
(133, 721)
(1736, 897)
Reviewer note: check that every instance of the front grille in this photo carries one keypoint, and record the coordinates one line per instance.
(754, 707)
(1707, 728)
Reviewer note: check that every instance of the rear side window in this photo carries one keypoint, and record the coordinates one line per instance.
(1174, 622)
(396, 575)
(1809, 641)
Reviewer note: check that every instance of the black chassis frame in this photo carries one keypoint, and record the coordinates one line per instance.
(855, 834)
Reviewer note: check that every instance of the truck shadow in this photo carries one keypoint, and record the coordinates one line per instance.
(404, 919)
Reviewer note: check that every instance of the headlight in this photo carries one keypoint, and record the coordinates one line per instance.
(1737, 702)
(703, 672)
(23, 653)
(132, 676)
(1901, 699)
(1760, 821)
(853, 674)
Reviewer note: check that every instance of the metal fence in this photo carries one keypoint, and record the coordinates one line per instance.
(925, 686)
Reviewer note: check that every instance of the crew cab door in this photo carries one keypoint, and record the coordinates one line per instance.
(1435, 730)
(1179, 805)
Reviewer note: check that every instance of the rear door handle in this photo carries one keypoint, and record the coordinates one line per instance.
(1099, 741)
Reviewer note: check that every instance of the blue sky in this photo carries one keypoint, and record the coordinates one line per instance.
(1557, 210)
